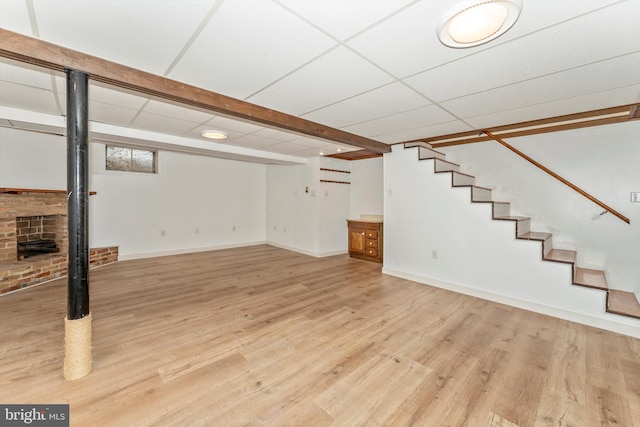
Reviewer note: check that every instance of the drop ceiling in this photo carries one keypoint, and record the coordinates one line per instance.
(374, 68)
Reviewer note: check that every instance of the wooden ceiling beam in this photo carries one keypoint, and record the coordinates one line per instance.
(48, 55)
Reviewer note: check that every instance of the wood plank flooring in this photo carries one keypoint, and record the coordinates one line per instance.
(260, 336)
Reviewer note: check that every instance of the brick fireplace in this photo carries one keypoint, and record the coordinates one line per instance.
(28, 215)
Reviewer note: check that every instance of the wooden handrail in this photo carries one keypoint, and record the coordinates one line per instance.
(558, 177)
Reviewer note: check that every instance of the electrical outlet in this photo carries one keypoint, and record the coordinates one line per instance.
(635, 197)
(163, 233)
(233, 228)
(284, 229)
(434, 254)
(197, 231)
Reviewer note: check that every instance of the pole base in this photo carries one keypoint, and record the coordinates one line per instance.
(77, 348)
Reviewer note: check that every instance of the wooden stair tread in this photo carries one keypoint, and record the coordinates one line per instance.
(443, 161)
(462, 173)
(623, 303)
(534, 235)
(418, 144)
(590, 278)
(512, 218)
(561, 255)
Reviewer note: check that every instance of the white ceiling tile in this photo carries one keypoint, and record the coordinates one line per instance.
(196, 133)
(177, 111)
(387, 100)
(28, 98)
(407, 43)
(529, 56)
(226, 123)
(246, 46)
(414, 119)
(24, 74)
(309, 142)
(14, 16)
(286, 53)
(309, 152)
(162, 124)
(276, 134)
(604, 75)
(111, 96)
(140, 34)
(111, 114)
(337, 75)
(252, 141)
(425, 132)
(592, 101)
(285, 148)
(343, 19)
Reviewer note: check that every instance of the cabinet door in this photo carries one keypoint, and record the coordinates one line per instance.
(356, 240)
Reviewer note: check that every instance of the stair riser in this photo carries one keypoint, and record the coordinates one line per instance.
(501, 209)
(442, 166)
(461, 180)
(426, 153)
(418, 144)
(523, 227)
(547, 245)
(480, 194)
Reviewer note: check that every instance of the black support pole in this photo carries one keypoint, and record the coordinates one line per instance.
(78, 194)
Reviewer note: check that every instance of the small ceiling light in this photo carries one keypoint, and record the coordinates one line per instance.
(321, 153)
(338, 149)
(214, 134)
(474, 22)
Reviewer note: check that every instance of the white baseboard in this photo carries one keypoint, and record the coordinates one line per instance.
(126, 257)
(610, 322)
(307, 252)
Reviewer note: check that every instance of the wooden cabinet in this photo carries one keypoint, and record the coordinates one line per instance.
(365, 239)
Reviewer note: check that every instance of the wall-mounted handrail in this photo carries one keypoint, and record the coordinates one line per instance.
(558, 177)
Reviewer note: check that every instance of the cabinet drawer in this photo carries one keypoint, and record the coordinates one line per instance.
(372, 252)
(372, 234)
(372, 243)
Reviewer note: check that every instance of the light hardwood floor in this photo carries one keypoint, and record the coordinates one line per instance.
(260, 336)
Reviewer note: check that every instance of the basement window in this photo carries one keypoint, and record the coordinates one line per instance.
(130, 159)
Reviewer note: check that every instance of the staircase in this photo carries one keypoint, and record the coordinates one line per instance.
(617, 302)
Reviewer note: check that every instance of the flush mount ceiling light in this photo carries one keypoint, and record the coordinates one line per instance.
(473, 22)
(214, 134)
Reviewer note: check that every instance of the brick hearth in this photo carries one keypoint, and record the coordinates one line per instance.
(15, 273)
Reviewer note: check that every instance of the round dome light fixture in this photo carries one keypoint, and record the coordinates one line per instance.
(214, 134)
(474, 22)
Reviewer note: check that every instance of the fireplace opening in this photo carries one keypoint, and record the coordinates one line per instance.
(37, 235)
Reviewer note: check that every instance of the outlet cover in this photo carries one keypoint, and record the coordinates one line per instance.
(635, 197)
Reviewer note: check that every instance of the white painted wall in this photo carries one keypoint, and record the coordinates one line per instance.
(474, 254)
(197, 201)
(602, 160)
(32, 160)
(264, 203)
(315, 222)
(293, 215)
(367, 184)
(312, 222)
(131, 209)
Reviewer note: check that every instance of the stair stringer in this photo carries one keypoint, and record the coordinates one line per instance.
(476, 256)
